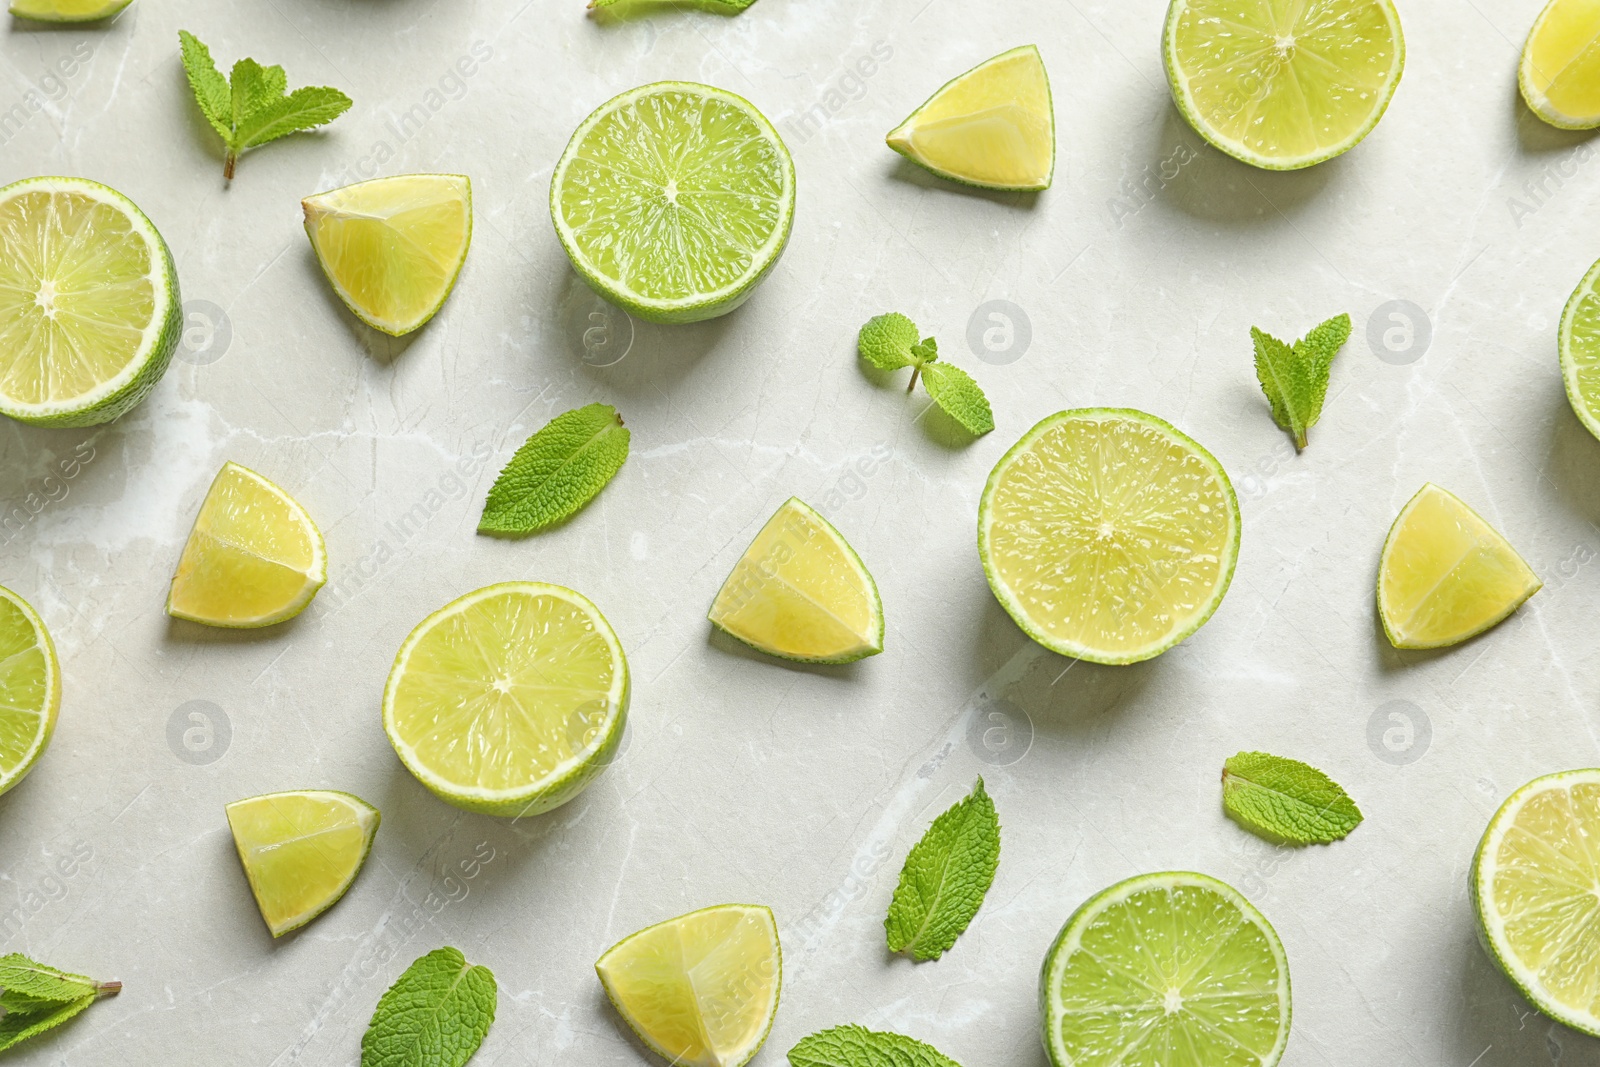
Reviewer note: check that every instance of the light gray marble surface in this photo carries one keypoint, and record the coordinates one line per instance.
(745, 779)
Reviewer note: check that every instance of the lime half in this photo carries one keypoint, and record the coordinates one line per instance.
(701, 989)
(301, 850)
(89, 306)
(67, 10)
(1108, 535)
(674, 200)
(1535, 887)
(1166, 970)
(1579, 342)
(510, 700)
(1560, 71)
(1283, 85)
(30, 688)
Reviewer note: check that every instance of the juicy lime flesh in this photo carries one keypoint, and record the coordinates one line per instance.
(253, 554)
(799, 591)
(26, 691)
(1111, 536)
(1446, 574)
(500, 694)
(992, 126)
(393, 247)
(77, 290)
(1170, 976)
(675, 194)
(300, 851)
(1561, 61)
(1580, 351)
(1286, 79)
(702, 989)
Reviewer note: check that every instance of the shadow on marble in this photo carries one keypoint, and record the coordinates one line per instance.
(1210, 184)
(1496, 1025)
(379, 346)
(1536, 137)
(184, 632)
(901, 169)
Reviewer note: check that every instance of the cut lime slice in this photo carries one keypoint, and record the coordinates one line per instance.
(89, 306)
(393, 247)
(1108, 535)
(1283, 85)
(67, 10)
(510, 700)
(701, 989)
(1166, 970)
(30, 688)
(1560, 71)
(674, 200)
(301, 850)
(1535, 887)
(1579, 342)
(801, 592)
(992, 127)
(1445, 574)
(254, 557)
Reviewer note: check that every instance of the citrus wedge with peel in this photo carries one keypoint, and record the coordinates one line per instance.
(1446, 575)
(67, 10)
(30, 688)
(801, 592)
(1579, 341)
(1559, 75)
(254, 557)
(510, 700)
(1108, 535)
(1166, 970)
(701, 989)
(992, 127)
(393, 247)
(674, 200)
(1283, 85)
(1535, 889)
(301, 850)
(89, 307)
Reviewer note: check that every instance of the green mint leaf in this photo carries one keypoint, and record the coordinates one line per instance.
(856, 1046)
(925, 351)
(1284, 800)
(210, 87)
(945, 878)
(35, 998)
(303, 109)
(17, 1027)
(557, 471)
(959, 397)
(435, 1015)
(886, 341)
(1295, 378)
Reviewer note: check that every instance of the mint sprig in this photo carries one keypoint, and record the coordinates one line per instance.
(253, 105)
(945, 878)
(557, 471)
(893, 342)
(1286, 801)
(1295, 377)
(856, 1046)
(35, 998)
(435, 1015)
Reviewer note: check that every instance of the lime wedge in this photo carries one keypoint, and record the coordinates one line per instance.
(801, 592)
(1166, 970)
(1535, 887)
(393, 247)
(67, 10)
(674, 200)
(254, 557)
(993, 126)
(301, 850)
(1108, 535)
(30, 688)
(510, 700)
(1446, 574)
(701, 989)
(1579, 342)
(1560, 71)
(89, 306)
(1283, 85)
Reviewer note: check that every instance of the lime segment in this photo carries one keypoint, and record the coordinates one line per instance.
(1579, 342)
(67, 10)
(1560, 71)
(301, 850)
(701, 989)
(30, 688)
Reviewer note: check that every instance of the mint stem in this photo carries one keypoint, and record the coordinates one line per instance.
(227, 164)
(107, 989)
(914, 372)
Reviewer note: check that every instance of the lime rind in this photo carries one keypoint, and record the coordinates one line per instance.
(367, 816)
(1008, 599)
(1582, 312)
(46, 11)
(701, 306)
(1539, 103)
(52, 699)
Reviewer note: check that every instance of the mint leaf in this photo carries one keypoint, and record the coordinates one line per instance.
(1285, 800)
(945, 878)
(17, 1027)
(435, 1015)
(253, 106)
(35, 998)
(557, 471)
(856, 1046)
(959, 397)
(890, 342)
(886, 341)
(1295, 378)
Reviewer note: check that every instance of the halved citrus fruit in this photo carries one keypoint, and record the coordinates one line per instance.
(30, 688)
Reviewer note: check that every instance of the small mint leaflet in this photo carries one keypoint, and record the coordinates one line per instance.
(945, 878)
(959, 397)
(886, 341)
(557, 471)
(856, 1046)
(435, 1015)
(35, 998)
(1286, 801)
(1295, 377)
